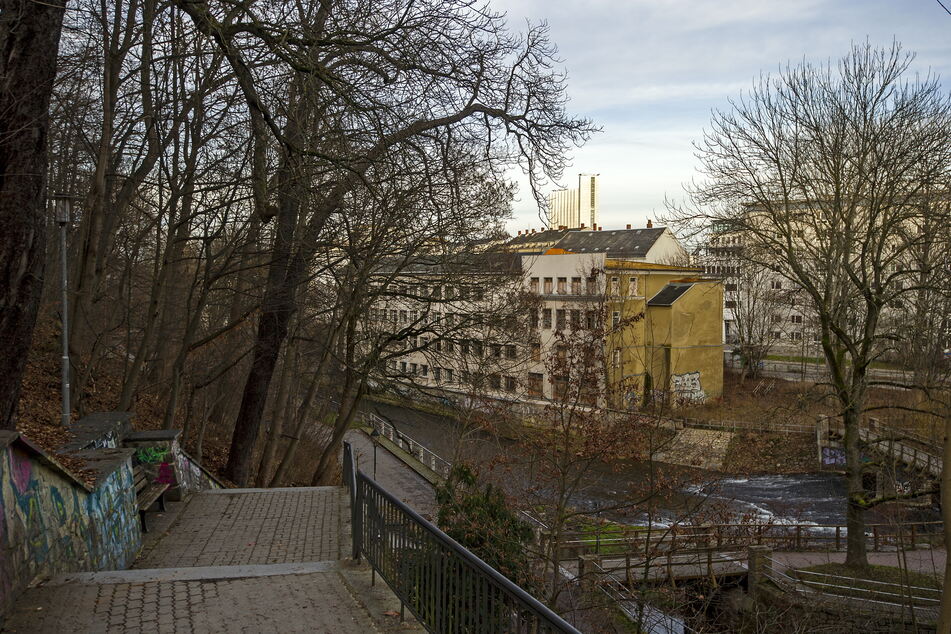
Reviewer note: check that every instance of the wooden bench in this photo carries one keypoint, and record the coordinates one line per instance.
(147, 492)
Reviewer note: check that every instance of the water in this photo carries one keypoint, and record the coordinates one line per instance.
(811, 498)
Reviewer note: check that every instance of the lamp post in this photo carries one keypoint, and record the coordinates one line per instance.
(373, 436)
(64, 208)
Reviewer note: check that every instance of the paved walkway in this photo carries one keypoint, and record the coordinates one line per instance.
(926, 561)
(237, 560)
(393, 474)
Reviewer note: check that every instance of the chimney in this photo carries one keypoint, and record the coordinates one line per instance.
(519, 233)
(533, 231)
(600, 227)
(650, 224)
(582, 225)
(629, 226)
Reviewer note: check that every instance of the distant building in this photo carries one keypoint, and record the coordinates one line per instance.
(661, 323)
(575, 208)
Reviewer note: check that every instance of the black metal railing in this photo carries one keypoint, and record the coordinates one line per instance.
(446, 587)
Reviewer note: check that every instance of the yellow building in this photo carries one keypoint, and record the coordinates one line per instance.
(671, 335)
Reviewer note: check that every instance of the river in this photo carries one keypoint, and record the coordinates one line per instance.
(809, 498)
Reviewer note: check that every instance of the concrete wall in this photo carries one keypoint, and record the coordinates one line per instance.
(51, 523)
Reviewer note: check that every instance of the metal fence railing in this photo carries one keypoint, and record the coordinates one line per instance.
(446, 587)
(429, 458)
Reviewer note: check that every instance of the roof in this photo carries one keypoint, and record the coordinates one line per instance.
(650, 266)
(539, 240)
(669, 294)
(621, 242)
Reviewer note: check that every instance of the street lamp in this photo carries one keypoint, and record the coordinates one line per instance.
(373, 436)
(63, 206)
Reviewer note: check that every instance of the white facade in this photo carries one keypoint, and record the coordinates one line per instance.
(575, 208)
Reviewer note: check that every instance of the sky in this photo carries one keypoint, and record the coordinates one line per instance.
(650, 72)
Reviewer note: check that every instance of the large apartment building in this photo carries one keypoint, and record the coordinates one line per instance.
(659, 325)
(575, 208)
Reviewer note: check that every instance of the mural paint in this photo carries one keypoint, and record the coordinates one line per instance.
(687, 386)
(49, 524)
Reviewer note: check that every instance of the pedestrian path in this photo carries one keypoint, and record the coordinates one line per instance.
(234, 560)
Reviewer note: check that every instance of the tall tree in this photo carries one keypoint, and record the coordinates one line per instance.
(823, 171)
(29, 41)
(387, 73)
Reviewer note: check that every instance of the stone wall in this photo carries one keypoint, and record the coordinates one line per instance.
(52, 523)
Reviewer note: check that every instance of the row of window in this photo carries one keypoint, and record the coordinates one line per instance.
(448, 375)
(590, 285)
(411, 316)
(590, 321)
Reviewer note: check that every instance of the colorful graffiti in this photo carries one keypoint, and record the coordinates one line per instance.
(50, 524)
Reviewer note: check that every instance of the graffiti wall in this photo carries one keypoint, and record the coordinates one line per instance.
(51, 523)
(159, 454)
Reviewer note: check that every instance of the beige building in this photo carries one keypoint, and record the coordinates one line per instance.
(660, 324)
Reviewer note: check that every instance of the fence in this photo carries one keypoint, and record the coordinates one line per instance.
(430, 459)
(874, 597)
(446, 587)
(791, 537)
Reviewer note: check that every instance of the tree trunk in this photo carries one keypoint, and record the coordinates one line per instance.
(856, 553)
(29, 43)
(278, 414)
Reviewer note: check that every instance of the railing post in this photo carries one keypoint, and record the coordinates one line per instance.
(798, 537)
(356, 520)
(759, 567)
(875, 538)
(838, 537)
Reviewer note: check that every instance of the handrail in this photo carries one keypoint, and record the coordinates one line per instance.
(443, 584)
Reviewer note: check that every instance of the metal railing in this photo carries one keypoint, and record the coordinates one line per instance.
(921, 604)
(429, 458)
(788, 537)
(446, 587)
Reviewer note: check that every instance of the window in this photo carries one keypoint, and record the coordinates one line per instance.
(796, 336)
(438, 345)
(424, 370)
(776, 285)
(495, 382)
(615, 286)
(562, 285)
(464, 347)
(775, 334)
(437, 292)
(546, 318)
(437, 374)
(403, 367)
(535, 383)
(533, 285)
(393, 317)
(548, 282)
(576, 318)
(730, 303)
(616, 358)
(730, 287)
(449, 346)
(632, 286)
(402, 316)
(590, 319)
(412, 368)
(536, 352)
(576, 286)
(533, 319)
(615, 318)
(497, 351)
(510, 352)
(592, 284)
(448, 375)
(477, 348)
(559, 386)
(560, 319)
(796, 319)
(510, 384)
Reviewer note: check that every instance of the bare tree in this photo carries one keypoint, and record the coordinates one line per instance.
(29, 39)
(823, 171)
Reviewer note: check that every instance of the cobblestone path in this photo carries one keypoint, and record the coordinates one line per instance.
(237, 560)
